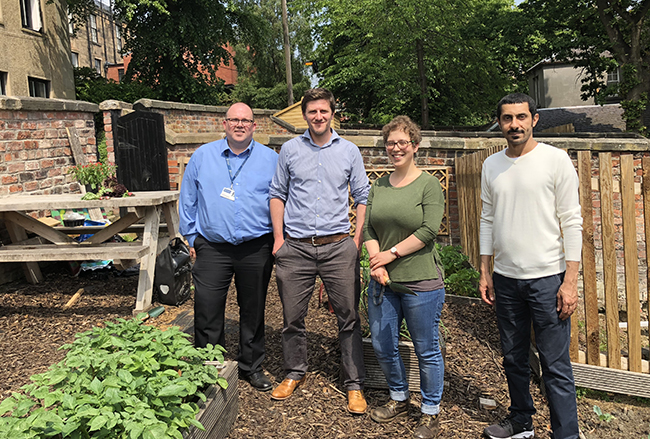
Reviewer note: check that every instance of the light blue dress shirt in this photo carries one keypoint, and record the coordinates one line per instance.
(313, 183)
(204, 211)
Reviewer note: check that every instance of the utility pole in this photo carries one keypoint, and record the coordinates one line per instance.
(287, 51)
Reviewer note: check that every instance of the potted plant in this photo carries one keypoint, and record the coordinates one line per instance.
(100, 180)
(123, 380)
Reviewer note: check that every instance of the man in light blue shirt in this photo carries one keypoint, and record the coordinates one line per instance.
(224, 215)
(309, 211)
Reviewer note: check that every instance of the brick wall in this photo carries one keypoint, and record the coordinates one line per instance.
(35, 151)
(34, 144)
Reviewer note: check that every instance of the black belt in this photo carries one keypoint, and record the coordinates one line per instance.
(321, 240)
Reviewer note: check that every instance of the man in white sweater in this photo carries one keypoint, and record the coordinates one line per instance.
(531, 224)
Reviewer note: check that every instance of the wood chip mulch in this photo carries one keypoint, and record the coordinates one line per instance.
(33, 326)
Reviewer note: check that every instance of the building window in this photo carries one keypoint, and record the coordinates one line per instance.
(118, 38)
(70, 25)
(93, 28)
(120, 74)
(30, 12)
(613, 77)
(75, 59)
(3, 83)
(98, 66)
(39, 88)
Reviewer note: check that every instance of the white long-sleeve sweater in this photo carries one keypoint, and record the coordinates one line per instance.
(531, 219)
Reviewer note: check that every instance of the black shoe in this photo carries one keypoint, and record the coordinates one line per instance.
(509, 429)
(258, 380)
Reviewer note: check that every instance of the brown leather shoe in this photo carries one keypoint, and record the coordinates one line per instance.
(393, 409)
(428, 427)
(286, 388)
(356, 402)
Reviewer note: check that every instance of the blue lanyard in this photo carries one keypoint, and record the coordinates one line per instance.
(232, 177)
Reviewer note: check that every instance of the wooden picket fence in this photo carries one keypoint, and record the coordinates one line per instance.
(617, 207)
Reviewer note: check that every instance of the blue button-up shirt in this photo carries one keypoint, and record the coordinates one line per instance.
(204, 211)
(313, 182)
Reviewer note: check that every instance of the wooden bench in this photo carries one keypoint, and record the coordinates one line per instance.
(72, 252)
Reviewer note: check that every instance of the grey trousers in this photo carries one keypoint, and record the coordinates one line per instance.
(337, 264)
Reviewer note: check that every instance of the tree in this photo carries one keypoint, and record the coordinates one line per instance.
(431, 60)
(260, 57)
(177, 45)
(602, 36)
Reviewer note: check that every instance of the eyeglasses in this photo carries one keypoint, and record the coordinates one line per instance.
(401, 143)
(234, 122)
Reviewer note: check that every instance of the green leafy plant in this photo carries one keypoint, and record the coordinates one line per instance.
(92, 174)
(460, 277)
(607, 417)
(123, 380)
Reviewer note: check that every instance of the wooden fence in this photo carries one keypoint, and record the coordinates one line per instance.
(604, 355)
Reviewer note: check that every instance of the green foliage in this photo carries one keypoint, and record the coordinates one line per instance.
(259, 56)
(102, 148)
(93, 174)
(248, 91)
(125, 380)
(384, 58)
(607, 417)
(460, 277)
(177, 46)
(90, 86)
(581, 392)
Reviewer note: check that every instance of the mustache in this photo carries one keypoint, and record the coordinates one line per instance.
(515, 132)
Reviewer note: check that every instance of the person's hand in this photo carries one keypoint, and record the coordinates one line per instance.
(486, 287)
(277, 243)
(192, 254)
(358, 241)
(567, 299)
(381, 259)
(379, 275)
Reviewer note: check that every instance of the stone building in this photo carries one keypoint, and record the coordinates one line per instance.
(35, 49)
(98, 43)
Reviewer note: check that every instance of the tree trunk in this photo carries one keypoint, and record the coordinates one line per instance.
(287, 52)
(424, 92)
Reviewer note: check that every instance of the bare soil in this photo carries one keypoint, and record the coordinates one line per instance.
(33, 326)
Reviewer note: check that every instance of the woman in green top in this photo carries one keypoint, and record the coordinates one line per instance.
(403, 216)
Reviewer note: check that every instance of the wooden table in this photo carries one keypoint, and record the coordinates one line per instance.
(57, 245)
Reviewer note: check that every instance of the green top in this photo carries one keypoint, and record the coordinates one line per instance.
(394, 213)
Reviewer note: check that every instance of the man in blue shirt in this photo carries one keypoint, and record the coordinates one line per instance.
(309, 201)
(224, 215)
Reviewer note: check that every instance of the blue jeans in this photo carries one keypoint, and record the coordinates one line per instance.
(518, 302)
(422, 314)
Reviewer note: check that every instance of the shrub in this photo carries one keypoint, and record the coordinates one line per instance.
(460, 277)
(125, 380)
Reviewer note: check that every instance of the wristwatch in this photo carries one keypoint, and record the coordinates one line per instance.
(393, 251)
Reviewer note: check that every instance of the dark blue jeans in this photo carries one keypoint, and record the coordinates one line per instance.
(517, 303)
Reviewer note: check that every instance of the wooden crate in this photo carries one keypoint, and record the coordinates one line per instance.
(219, 411)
